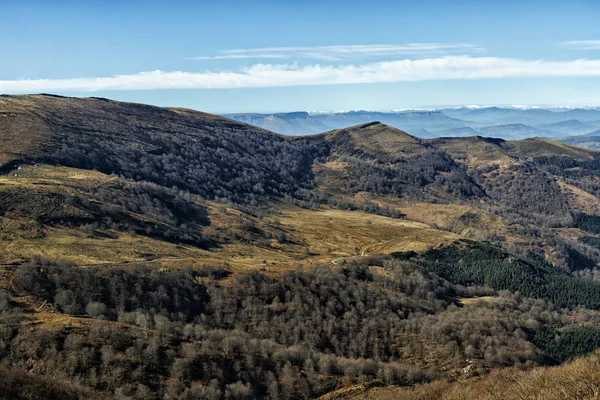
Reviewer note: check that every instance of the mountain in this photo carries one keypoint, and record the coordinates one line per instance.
(299, 123)
(294, 123)
(460, 121)
(423, 133)
(589, 141)
(522, 115)
(583, 114)
(570, 127)
(514, 131)
(201, 153)
(155, 252)
(499, 115)
(458, 132)
(504, 115)
(406, 120)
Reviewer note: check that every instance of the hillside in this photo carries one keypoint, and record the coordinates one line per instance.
(37, 126)
(577, 379)
(187, 154)
(165, 253)
(172, 147)
(375, 139)
(588, 141)
(198, 161)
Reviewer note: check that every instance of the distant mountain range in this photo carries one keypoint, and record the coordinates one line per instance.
(590, 141)
(510, 122)
(293, 123)
(569, 127)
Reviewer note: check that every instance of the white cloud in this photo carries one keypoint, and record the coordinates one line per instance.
(238, 56)
(274, 75)
(344, 52)
(583, 44)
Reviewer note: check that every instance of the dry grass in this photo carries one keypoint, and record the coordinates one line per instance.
(335, 233)
(539, 147)
(579, 199)
(72, 244)
(472, 223)
(328, 235)
(318, 237)
(377, 139)
(464, 220)
(311, 236)
(475, 300)
(42, 175)
(474, 151)
(24, 238)
(579, 379)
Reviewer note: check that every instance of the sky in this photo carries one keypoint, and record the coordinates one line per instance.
(276, 56)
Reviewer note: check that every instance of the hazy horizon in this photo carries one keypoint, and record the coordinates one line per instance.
(331, 111)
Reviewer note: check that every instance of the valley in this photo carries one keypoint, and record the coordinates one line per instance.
(166, 253)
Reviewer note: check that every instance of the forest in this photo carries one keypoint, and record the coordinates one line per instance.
(159, 333)
(487, 265)
(239, 166)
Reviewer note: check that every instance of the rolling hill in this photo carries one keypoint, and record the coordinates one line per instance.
(589, 141)
(178, 158)
(155, 252)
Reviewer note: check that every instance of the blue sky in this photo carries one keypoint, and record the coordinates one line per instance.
(267, 56)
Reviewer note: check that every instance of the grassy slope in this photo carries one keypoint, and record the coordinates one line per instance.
(376, 139)
(32, 125)
(20, 385)
(33, 188)
(579, 379)
(475, 151)
(329, 234)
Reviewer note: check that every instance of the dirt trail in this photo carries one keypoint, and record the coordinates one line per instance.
(363, 251)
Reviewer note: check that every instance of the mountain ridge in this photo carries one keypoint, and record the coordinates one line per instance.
(137, 109)
(209, 257)
(443, 121)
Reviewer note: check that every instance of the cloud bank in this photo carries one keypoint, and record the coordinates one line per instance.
(276, 75)
(344, 52)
